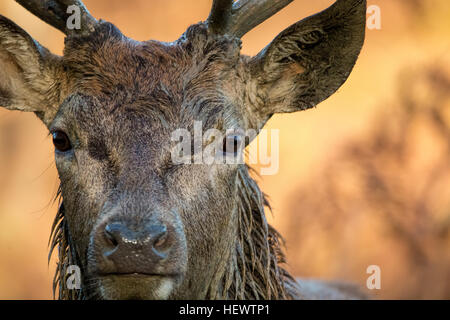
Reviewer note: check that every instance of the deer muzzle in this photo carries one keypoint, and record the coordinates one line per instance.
(138, 256)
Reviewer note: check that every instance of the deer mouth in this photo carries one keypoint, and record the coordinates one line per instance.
(139, 275)
(137, 286)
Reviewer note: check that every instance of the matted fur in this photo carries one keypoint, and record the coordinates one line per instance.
(255, 268)
(163, 87)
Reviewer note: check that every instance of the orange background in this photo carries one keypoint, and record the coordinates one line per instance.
(413, 34)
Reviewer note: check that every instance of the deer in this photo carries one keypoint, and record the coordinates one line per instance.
(138, 225)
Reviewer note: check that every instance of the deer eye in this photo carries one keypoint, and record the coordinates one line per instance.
(231, 144)
(61, 141)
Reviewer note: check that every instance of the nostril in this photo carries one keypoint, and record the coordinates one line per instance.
(158, 235)
(160, 240)
(111, 235)
(149, 237)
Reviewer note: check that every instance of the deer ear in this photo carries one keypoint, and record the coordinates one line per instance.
(310, 60)
(28, 73)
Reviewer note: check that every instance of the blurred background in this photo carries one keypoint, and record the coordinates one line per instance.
(364, 179)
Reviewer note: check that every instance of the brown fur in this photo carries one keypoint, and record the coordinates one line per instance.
(119, 100)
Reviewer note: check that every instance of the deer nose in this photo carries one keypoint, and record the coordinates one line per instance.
(135, 250)
(150, 237)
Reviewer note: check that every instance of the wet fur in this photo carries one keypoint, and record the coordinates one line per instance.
(107, 85)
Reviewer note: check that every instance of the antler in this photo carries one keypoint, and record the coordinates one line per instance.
(238, 18)
(54, 12)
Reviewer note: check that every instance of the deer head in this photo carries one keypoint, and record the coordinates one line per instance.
(136, 223)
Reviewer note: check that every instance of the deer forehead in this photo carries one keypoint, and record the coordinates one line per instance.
(106, 60)
(113, 79)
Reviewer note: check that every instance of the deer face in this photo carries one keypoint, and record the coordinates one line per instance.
(141, 225)
(138, 217)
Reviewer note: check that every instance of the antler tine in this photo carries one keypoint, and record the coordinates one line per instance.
(54, 12)
(219, 18)
(247, 14)
(238, 18)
